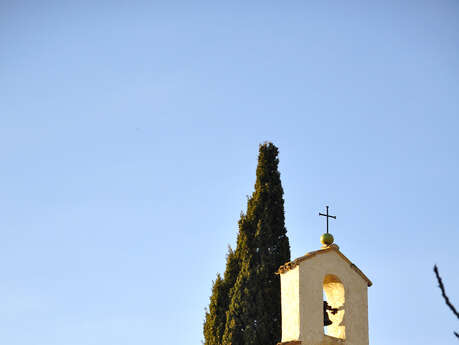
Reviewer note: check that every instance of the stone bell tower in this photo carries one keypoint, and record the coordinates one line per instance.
(324, 298)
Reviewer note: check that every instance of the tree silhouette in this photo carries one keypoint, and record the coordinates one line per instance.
(445, 297)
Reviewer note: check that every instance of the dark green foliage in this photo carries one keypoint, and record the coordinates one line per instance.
(214, 324)
(253, 299)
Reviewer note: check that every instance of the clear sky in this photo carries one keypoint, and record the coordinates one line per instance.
(128, 145)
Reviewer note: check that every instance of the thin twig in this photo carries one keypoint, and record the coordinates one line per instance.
(443, 293)
(445, 297)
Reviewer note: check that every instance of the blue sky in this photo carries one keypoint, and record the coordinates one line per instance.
(128, 145)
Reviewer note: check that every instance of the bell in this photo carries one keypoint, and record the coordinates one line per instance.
(327, 321)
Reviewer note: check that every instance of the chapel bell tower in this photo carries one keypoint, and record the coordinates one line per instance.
(324, 298)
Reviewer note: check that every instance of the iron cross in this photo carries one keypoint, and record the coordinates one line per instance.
(328, 216)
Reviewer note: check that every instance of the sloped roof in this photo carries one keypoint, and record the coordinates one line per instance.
(292, 264)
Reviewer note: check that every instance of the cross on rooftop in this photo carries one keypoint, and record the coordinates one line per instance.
(327, 215)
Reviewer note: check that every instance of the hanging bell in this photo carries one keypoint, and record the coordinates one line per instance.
(327, 321)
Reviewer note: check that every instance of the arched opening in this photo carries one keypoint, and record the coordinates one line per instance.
(334, 302)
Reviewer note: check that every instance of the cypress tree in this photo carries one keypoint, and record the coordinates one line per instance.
(215, 319)
(253, 316)
(245, 306)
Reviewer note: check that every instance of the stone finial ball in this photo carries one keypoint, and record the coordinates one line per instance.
(326, 239)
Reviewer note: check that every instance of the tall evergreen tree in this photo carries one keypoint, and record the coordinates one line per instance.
(215, 320)
(214, 324)
(245, 305)
(253, 317)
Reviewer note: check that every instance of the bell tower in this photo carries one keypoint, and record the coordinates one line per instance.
(324, 298)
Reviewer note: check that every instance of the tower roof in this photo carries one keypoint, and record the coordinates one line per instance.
(292, 264)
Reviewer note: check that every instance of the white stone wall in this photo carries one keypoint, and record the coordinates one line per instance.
(302, 301)
(291, 308)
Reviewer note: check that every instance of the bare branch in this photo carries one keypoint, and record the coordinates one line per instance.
(445, 297)
(443, 292)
